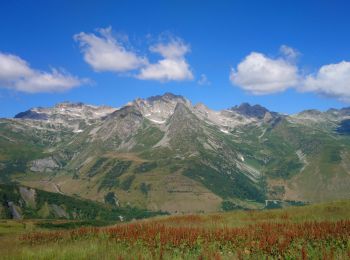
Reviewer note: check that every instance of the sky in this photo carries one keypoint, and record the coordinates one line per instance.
(285, 55)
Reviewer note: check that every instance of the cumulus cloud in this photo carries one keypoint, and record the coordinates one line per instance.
(16, 73)
(259, 74)
(55, 81)
(105, 53)
(173, 65)
(331, 80)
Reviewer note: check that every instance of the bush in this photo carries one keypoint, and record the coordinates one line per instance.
(126, 184)
(227, 205)
(145, 188)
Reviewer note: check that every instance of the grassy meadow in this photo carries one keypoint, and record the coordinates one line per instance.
(319, 231)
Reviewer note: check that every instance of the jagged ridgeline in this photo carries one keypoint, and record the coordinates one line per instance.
(163, 153)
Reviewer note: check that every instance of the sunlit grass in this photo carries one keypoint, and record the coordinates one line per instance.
(315, 231)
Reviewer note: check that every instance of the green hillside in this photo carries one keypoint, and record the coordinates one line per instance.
(163, 154)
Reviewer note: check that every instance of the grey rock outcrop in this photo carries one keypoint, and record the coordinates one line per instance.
(44, 165)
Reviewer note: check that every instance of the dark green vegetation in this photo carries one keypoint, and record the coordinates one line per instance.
(226, 186)
(111, 199)
(229, 206)
(36, 204)
(14, 156)
(101, 162)
(56, 225)
(145, 188)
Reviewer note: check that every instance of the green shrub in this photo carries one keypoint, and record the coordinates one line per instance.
(227, 205)
(111, 199)
(126, 184)
(145, 188)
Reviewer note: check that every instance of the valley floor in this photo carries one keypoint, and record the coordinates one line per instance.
(320, 231)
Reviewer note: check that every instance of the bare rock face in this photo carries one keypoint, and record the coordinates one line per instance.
(59, 211)
(15, 210)
(44, 165)
(267, 117)
(122, 123)
(28, 195)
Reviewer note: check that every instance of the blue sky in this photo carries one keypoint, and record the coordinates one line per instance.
(285, 55)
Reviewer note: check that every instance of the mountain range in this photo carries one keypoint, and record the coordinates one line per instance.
(165, 154)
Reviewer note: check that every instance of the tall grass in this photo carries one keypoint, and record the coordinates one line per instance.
(263, 239)
(311, 232)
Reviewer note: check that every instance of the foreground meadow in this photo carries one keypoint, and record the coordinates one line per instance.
(310, 232)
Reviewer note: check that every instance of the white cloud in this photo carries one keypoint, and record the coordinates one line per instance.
(173, 66)
(289, 53)
(104, 53)
(331, 80)
(261, 75)
(55, 81)
(15, 73)
(166, 70)
(172, 50)
(13, 67)
(203, 80)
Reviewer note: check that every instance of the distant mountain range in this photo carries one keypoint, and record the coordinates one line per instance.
(163, 153)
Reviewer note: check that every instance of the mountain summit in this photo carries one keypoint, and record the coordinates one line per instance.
(251, 111)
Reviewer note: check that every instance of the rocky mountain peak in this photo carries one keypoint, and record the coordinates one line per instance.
(159, 108)
(168, 97)
(126, 111)
(311, 112)
(30, 114)
(68, 104)
(67, 110)
(330, 114)
(182, 123)
(181, 108)
(248, 110)
(201, 107)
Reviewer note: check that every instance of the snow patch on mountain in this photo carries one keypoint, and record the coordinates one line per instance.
(224, 131)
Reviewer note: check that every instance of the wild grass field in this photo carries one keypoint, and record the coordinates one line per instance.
(319, 231)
